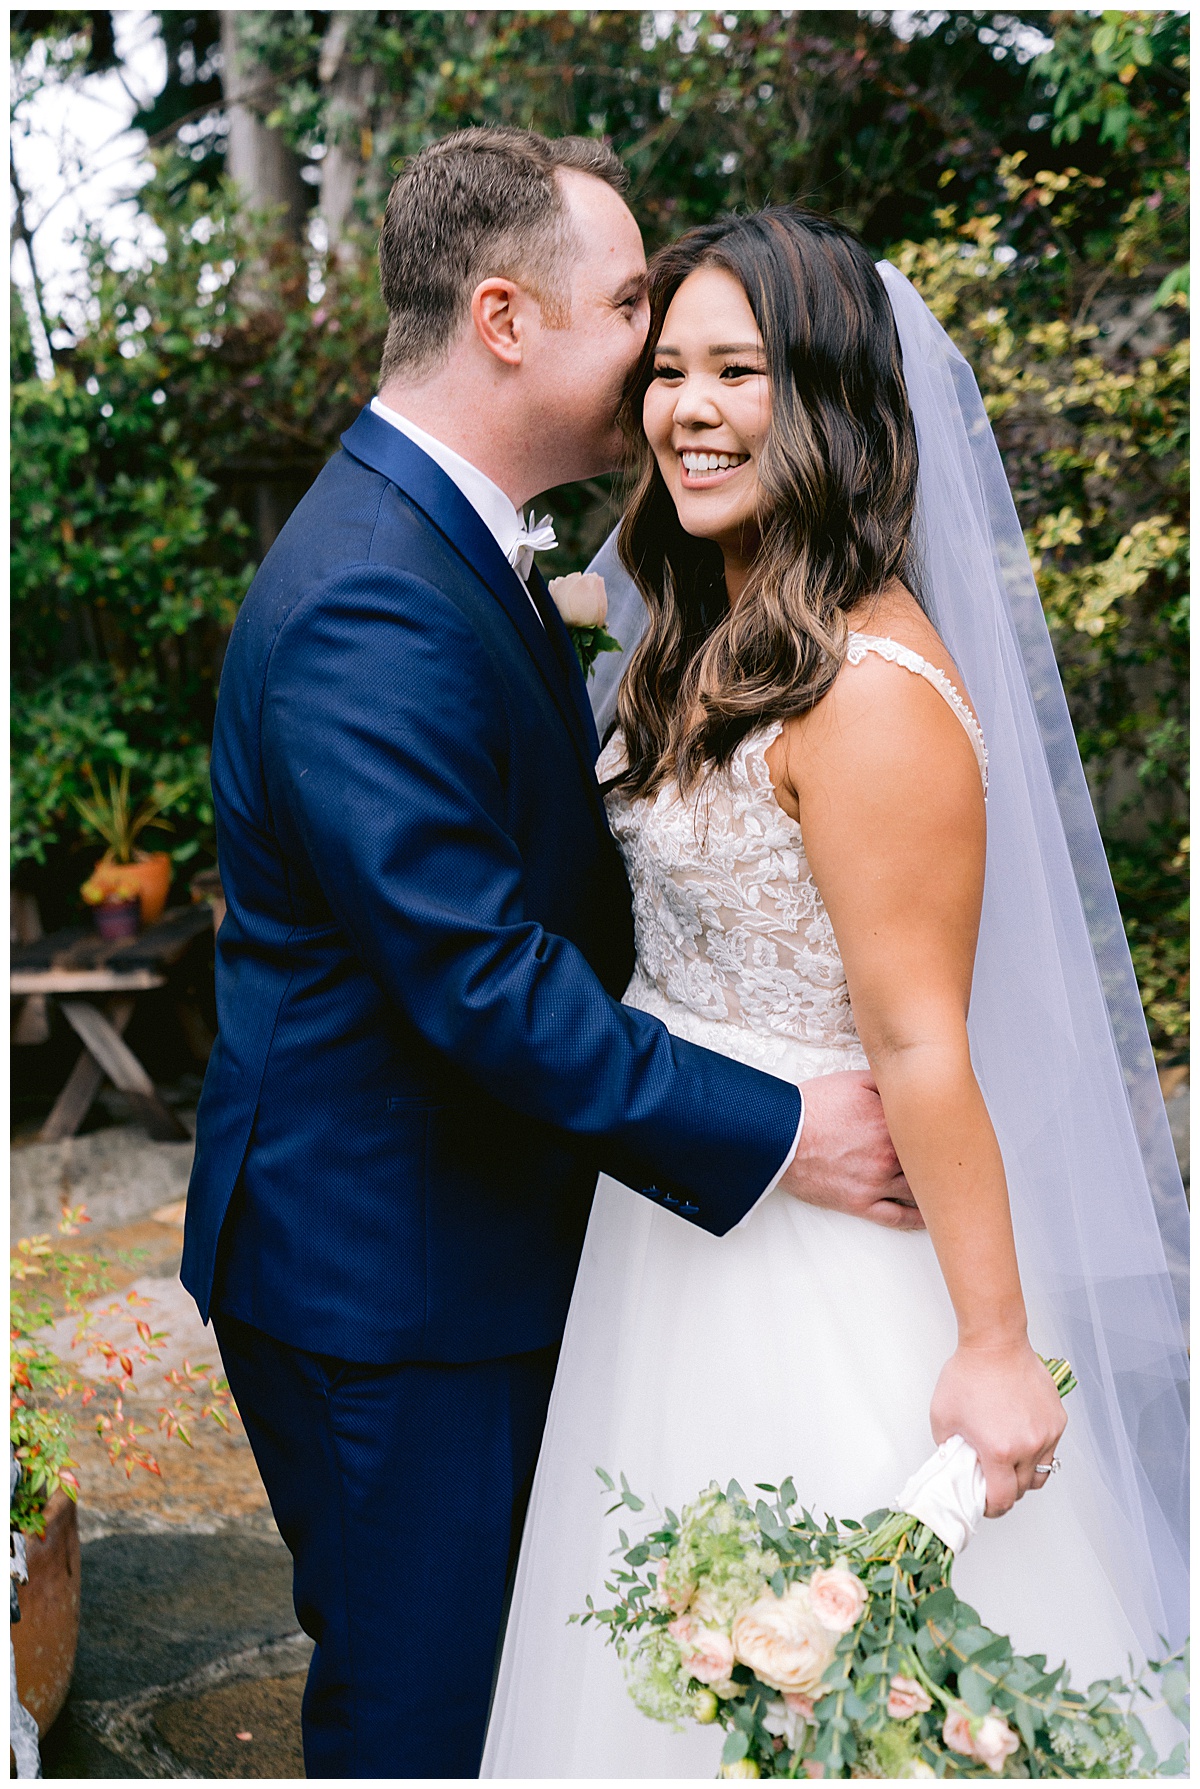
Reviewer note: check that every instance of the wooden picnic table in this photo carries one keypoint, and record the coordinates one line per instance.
(71, 964)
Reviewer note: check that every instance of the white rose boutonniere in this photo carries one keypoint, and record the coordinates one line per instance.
(582, 601)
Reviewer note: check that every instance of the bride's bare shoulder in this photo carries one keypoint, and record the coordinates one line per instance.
(880, 722)
(895, 614)
(892, 614)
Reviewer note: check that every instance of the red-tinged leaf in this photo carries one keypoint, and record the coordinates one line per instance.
(127, 1366)
(144, 1330)
(88, 1395)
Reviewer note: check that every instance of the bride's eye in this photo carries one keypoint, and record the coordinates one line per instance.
(667, 372)
(735, 371)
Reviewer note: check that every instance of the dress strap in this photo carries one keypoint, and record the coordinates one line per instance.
(861, 644)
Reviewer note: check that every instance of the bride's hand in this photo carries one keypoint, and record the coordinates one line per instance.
(1002, 1400)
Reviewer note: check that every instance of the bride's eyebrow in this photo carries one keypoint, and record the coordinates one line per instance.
(715, 353)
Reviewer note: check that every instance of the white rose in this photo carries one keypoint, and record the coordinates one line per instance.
(787, 1720)
(580, 598)
(783, 1642)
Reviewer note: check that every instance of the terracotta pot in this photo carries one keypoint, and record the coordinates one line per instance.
(150, 870)
(45, 1638)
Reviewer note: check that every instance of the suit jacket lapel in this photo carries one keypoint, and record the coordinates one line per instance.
(557, 629)
(386, 450)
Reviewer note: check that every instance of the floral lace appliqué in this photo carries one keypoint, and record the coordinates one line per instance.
(728, 920)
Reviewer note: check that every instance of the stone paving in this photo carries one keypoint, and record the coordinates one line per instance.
(190, 1660)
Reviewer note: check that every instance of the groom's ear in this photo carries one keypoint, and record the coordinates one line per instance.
(499, 310)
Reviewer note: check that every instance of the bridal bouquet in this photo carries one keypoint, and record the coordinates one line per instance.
(841, 1649)
(582, 601)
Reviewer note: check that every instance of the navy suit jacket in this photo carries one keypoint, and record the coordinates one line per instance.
(422, 1059)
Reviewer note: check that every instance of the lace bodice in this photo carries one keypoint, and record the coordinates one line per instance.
(729, 922)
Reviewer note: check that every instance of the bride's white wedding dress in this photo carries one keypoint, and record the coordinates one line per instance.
(805, 1342)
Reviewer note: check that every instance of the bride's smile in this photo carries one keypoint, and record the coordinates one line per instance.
(707, 409)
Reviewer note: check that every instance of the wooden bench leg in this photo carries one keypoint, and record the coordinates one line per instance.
(112, 1054)
(32, 1022)
(83, 1083)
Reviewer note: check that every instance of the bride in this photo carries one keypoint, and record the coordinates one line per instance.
(802, 781)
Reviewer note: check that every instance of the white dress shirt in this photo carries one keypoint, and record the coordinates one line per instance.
(494, 509)
(500, 517)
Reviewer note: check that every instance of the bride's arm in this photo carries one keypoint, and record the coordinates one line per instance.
(891, 805)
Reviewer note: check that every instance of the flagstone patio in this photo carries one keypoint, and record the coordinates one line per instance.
(190, 1663)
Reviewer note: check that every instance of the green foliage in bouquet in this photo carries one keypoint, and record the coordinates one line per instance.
(916, 1686)
(839, 1648)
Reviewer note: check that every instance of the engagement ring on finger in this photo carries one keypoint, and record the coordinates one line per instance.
(1054, 1466)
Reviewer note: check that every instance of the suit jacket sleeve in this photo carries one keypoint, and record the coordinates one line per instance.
(385, 739)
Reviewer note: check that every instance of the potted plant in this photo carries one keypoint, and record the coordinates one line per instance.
(116, 904)
(47, 1398)
(120, 825)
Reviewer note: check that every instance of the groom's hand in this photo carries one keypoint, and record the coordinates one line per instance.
(845, 1160)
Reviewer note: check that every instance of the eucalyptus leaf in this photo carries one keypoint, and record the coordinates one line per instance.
(735, 1748)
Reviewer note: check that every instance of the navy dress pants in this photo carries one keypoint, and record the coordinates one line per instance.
(400, 1491)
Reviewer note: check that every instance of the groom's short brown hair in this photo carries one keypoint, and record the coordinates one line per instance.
(481, 203)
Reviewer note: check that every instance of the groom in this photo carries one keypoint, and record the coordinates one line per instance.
(423, 1061)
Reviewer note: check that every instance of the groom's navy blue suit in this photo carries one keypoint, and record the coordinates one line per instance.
(422, 1063)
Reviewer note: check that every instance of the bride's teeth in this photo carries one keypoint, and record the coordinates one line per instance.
(711, 462)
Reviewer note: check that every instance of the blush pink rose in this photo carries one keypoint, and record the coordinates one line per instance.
(956, 1731)
(799, 1704)
(782, 1641)
(708, 1655)
(906, 1697)
(580, 598)
(838, 1598)
(994, 1742)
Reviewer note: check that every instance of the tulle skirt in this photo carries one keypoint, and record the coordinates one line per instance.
(804, 1343)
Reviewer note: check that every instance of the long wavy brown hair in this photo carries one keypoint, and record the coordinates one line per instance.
(838, 470)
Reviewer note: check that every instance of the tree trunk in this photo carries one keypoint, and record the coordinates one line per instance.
(349, 89)
(267, 174)
(257, 158)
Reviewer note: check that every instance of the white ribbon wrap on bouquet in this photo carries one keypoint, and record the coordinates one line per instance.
(948, 1493)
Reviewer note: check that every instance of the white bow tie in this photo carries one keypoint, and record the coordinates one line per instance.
(534, 537)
